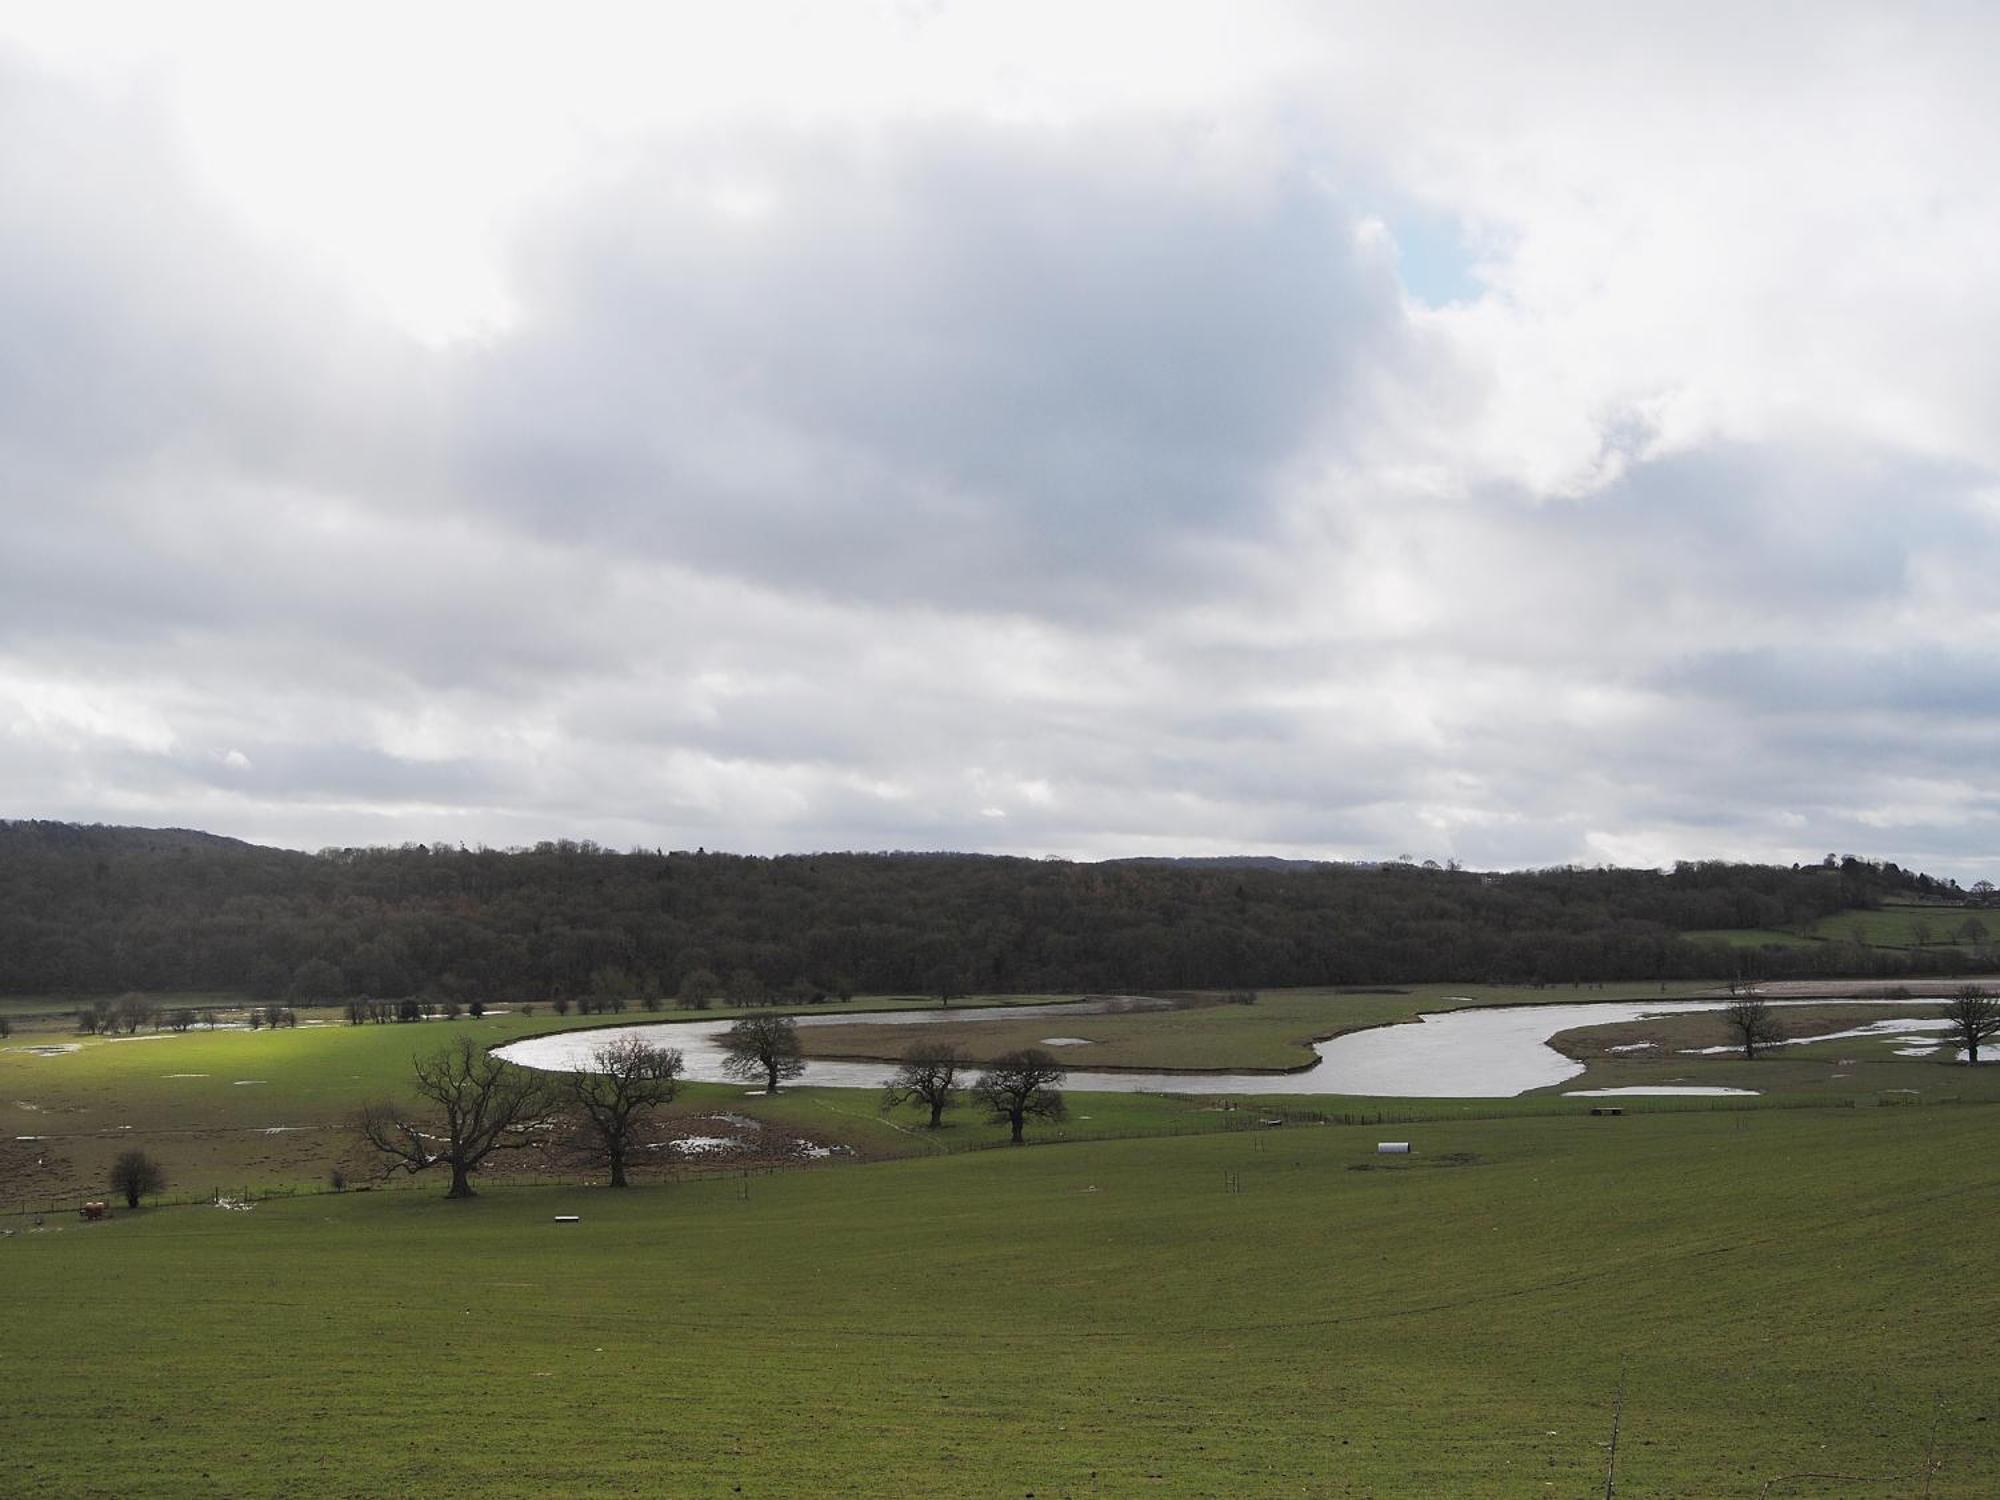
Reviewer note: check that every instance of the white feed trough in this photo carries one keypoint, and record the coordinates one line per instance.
(1392, 1148)
(569, 1218)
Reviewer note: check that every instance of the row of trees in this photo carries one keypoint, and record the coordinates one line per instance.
(474, 1105)
(130, 1013)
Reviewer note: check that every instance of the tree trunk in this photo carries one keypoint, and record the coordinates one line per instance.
(937, 1110)
(132, 1194)
(617, 1168)
(461, 1184)
(771, 1087)
(1014, 1118)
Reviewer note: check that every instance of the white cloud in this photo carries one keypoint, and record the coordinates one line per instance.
(941, 425)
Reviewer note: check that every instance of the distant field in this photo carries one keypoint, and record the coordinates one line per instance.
(1887, 927)
(1748, 937)
(1781, 1292)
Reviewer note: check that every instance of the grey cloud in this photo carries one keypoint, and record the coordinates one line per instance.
(974, 372)
(1929, 681)
(823, 459)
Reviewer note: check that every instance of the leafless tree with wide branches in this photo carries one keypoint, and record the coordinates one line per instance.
(929, 1075)
(624, 1081)
(1751, 1022)
(1020, 1085)
(763, 1046)
(482, 1105)
(1971, 1019)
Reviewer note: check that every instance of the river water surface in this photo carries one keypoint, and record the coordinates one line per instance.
(1488, 1053)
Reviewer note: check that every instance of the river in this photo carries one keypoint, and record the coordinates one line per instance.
(1476, 1053)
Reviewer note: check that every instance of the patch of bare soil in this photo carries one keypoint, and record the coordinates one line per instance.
(671, 1146)
(33, 1169)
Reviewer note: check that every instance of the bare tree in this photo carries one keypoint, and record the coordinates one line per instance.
(135, 1174)
(1971, 1018)
(1019, 1084)
(134, 1010)
(625, 1081)
(929, 1074)
(763, 1045)
(1750, 1020)
(482, 1105)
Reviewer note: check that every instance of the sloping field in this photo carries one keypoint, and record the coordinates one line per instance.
(1892, 925)
(1788, 1292)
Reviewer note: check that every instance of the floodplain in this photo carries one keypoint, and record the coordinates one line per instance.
(1785, 1295)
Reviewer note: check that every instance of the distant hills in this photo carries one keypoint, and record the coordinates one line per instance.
(96, 909)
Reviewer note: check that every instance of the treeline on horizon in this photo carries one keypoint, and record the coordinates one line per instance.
(94, 910)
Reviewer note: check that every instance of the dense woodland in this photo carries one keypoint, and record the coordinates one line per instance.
(96, 910)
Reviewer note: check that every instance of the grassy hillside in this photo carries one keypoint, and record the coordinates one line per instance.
(1928, 926)
(1786, 1291)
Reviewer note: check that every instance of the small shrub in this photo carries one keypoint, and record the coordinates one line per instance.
(135, 1174)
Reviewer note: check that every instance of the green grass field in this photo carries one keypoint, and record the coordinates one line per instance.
(1787, 1292)
(1889, 926)
(266, 1109)
(271, 1110)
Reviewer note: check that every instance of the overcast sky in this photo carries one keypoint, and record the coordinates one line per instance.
(1520, 434)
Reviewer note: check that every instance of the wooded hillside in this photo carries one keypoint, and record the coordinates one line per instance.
(98, 909)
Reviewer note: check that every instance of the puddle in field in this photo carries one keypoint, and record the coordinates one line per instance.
(184, 1075)
(1634, 1047)
(704, 1145)
(238, 1083)
(1893, 1029)
(50, 1049)
(1065, 1041)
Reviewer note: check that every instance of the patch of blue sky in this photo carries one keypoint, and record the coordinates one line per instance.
(1433, 259)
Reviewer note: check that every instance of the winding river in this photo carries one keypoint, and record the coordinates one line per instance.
(1492, 1053)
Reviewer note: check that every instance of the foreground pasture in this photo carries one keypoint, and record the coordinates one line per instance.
(1787, 1292)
